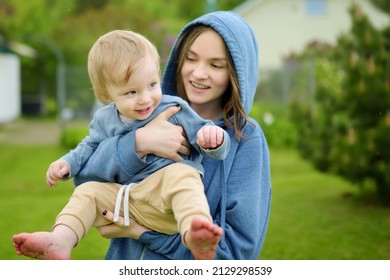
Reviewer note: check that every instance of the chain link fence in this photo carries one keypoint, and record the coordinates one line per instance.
(294, 80)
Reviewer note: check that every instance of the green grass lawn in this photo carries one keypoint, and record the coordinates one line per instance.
(28, 204)
(314, 215)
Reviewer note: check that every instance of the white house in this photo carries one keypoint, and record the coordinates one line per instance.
(285, 26)
(10, 95)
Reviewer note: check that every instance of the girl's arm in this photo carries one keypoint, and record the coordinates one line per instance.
(162, 138)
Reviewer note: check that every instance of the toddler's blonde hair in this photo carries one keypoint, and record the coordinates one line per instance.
(114, 56)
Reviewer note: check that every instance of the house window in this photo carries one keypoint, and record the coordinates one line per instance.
(315, 7)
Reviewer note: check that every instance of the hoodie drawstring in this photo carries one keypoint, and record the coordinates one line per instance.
(126, 189)
(223, 203)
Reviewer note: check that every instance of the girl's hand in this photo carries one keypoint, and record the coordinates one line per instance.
(162, 138)
(117, 230)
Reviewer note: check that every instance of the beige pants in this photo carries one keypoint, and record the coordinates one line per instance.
(166, 202)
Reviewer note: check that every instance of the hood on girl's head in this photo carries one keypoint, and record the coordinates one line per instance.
(242, 45)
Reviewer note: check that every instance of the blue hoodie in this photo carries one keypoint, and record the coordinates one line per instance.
(238, 188)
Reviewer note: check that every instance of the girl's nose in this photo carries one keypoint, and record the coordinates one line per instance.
(200, 71)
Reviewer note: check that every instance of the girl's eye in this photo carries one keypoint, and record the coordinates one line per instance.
(131, 92)
(217, 66)
(189, 58)
(153, 85)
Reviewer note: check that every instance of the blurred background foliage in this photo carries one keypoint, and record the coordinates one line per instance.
(338, 106)
(48, 31)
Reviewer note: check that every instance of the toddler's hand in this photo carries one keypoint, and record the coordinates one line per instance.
(57, 171)
(210, 137)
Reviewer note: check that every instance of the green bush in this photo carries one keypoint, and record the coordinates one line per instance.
(72, 136)
(273, 119)
(347, 130)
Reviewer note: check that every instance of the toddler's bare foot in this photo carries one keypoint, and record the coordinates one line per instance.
(202, 239)
(43, 245)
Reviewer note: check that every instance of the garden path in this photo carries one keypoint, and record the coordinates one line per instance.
(30, 132)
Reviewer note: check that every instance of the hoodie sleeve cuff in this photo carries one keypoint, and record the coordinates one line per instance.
(128, 156)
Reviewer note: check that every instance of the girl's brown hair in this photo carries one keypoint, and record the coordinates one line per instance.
(234, 114)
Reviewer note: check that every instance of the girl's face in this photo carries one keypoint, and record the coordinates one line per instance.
(205, 73)
(139, 97)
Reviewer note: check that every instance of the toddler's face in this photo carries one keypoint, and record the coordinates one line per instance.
(139, 97)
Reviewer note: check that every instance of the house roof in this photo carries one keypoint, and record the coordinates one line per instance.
(247, 6)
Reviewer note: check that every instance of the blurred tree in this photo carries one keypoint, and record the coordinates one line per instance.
(38, 17)
(349, 124)
(81, 6)
(79, 31)
(34, 22)
(157, 21)
(190, 10)
(364, 153)
(384, 5)
(72, 26)
(229, 4)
